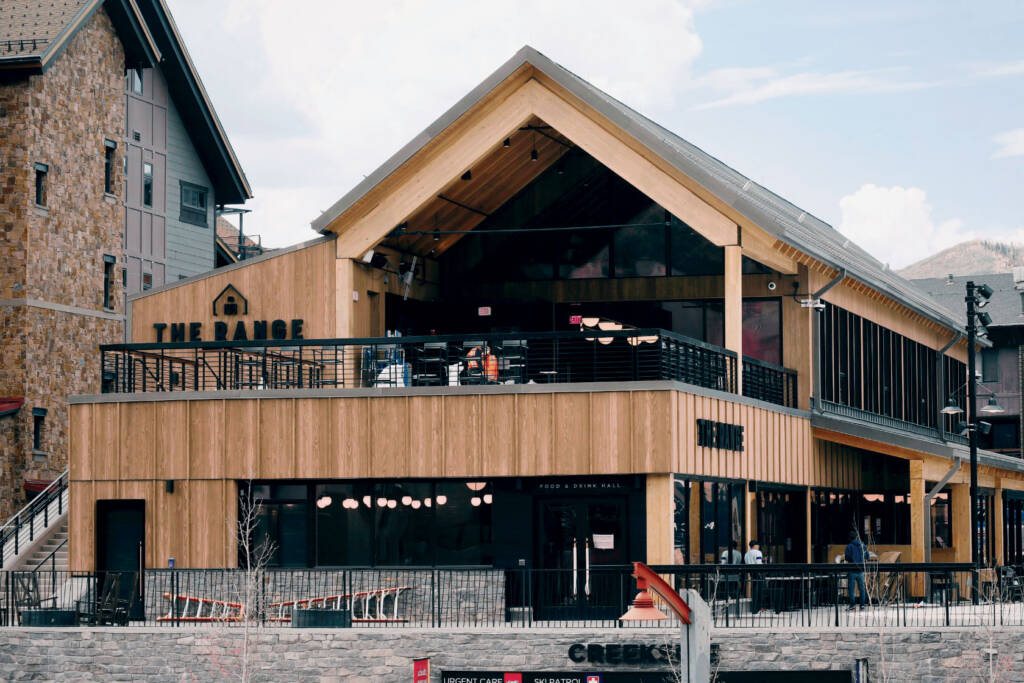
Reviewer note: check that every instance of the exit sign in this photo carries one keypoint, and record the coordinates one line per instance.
(575, 319)
(483, 311)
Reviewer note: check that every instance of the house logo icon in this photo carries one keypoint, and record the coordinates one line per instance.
(230, 302)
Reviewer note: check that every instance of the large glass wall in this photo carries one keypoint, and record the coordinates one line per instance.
(1013, 528)
(721, 519)
(681, 521)
(374, 523)
(782, 523)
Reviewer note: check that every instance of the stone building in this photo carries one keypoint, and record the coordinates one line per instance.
(93, 173)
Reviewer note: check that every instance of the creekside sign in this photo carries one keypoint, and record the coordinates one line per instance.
(557, 677)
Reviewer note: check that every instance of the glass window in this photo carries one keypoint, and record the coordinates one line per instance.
(721, 520)
(108, 281)
(584, 255)
(463, 523)
(403, 530)
(41, 171)
(193, 204)
(136, 77)
(147, 281)
(37, 431)
(681, 521)
(640, 252)
(109, 148)
(990, 365)
(762, 330)
(147, 184)
(344, 522)
(691, 253)
(942, 521)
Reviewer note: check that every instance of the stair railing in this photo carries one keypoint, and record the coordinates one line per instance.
(21, 530)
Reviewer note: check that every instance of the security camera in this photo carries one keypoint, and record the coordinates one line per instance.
(771, 286)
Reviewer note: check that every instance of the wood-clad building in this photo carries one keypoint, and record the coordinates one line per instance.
(547, 333)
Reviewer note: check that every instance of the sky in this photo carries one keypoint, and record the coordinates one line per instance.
(899, 123)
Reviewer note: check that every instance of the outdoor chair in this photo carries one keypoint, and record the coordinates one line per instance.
(110, 607)
(26, 594)
(1010, 585)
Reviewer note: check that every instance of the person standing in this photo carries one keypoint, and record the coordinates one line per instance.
(733, 580)
(754, 556)
(855, 554)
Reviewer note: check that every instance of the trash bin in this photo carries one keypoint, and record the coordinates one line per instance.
(321, 618)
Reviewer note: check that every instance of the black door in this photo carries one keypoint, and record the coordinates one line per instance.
(578, 538)
(120, 547)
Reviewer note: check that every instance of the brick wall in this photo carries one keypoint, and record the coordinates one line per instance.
(55, 254)
(382, 655)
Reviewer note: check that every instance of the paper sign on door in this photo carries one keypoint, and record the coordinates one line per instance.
(604, 541)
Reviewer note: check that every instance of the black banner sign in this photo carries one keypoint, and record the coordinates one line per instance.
(557, 677)
(711, 434)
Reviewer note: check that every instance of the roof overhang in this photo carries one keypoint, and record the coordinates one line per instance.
(778, 231)
(140, 49)
(195, 107)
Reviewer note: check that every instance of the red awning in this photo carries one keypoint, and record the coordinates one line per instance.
(37, 485)
(10, 405)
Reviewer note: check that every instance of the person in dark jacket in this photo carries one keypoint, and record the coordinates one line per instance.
(856, 554)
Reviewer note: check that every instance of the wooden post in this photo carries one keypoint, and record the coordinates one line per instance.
(919, 517)
(734, 307)
(659, 519)
(695, 530)
(997, 522)
(961, 505)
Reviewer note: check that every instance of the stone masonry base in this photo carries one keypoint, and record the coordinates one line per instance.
(361, 655)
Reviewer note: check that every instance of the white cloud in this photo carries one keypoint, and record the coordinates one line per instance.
(758, 84)
(895, 224)
(317, 94)
(1011, 144)
(1008, 69)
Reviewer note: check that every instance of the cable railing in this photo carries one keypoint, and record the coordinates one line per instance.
(21, 530)
(794, 596)
(438, 361)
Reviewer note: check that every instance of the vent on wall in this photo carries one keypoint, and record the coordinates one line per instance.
(136, 136)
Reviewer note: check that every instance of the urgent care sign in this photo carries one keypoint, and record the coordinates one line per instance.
(556, 677)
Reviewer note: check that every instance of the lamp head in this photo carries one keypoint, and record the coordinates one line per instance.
(992, 407)
(952, 408)
(984, 291)
(984, 318)
(984, 427)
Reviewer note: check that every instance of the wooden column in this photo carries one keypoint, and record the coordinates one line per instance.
(659, 519)
(919, 517)
(997, 522)
(734, 307)
(695, 494)
(345, 307)
(961, 504)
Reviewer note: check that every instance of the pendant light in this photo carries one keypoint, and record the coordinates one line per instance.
(533, 152)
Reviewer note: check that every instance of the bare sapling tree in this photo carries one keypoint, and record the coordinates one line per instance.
(254, 555)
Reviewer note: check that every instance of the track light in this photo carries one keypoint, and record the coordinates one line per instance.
(533, 155)
(437, 235)
(507, 143)
(468, 175)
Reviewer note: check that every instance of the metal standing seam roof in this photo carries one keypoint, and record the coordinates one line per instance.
(777, 216)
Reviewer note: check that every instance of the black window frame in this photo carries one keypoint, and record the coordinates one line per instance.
(109, 263)
(42, 170)
(147, 184)
(38, 425)
(109, 149)
(190, 212)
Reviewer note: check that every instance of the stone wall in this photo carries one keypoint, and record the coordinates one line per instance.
(363, 655)
(54, 254)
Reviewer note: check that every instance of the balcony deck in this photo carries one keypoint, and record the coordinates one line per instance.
(448, 360)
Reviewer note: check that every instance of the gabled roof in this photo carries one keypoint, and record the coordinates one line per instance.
(195, 107)
(33, 33)
(776, 216)
(1004, 306)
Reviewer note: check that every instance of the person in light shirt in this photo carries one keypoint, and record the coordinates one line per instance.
(754, 556)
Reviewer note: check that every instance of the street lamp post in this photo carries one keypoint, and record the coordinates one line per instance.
(972, 433)
(977, 297)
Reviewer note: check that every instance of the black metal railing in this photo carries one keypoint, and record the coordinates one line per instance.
(768, 382)
(809, 596)
(448, 360)
(23, 528)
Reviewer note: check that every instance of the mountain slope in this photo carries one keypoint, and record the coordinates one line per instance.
(968, 258)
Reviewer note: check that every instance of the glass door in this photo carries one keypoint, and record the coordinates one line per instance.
(576, 539)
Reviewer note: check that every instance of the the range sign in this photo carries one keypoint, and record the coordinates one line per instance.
(711, 434)
(230, 303)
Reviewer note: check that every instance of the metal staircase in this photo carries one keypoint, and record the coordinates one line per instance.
(37, 534)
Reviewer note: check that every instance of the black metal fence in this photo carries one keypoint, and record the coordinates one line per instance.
(448, 360)
(740, 596)
(768, 382)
